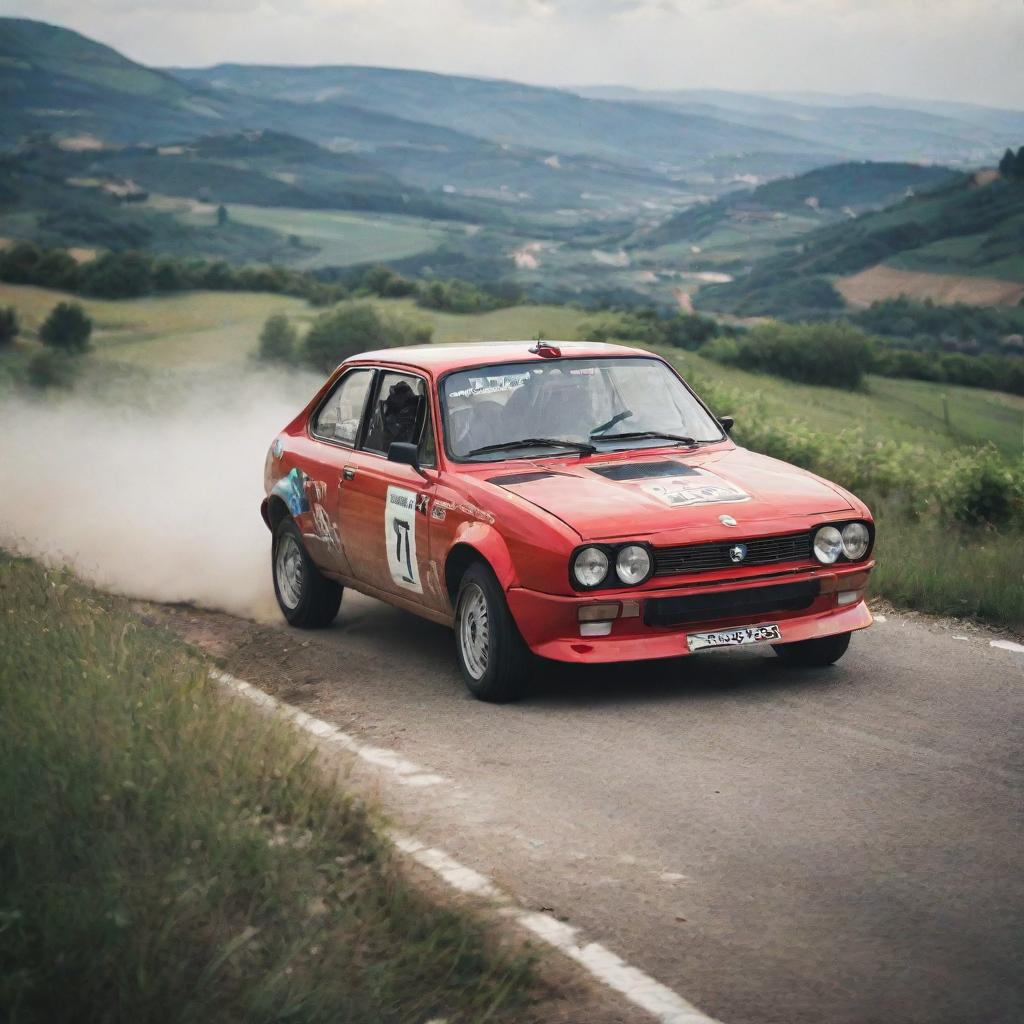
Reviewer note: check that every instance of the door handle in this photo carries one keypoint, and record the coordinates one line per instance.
(348, 473)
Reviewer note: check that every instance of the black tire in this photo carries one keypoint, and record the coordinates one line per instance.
(500, 675)
(307, 599)
(817, 653)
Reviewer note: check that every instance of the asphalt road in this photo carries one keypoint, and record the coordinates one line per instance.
(840, 845)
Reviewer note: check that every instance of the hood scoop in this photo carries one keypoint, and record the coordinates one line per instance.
(643, 470)
(521, 478)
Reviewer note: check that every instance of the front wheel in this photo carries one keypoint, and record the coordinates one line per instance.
(492, 655)
(306, 597)
(825, 650)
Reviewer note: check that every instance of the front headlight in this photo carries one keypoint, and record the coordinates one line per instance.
(855, 541)
(828, 544)
(633, 564)
(590, 566)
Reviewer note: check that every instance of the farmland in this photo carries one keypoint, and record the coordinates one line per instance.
(333, 238)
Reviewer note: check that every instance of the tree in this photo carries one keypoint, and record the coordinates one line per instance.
(67, 328)
(9, 326)
(222, 215)
(348, 330)
(1008, 165)
(277, 340)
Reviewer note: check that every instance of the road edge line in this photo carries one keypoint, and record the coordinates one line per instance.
(639, 988)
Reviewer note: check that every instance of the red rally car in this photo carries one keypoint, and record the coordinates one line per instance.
(574, 500)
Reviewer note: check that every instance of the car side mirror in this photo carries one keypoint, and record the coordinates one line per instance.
(406, 453)
(727, 422)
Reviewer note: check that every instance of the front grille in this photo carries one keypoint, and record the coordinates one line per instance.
(729, 604)
(795, 547)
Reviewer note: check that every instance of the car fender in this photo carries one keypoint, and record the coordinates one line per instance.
(487, 543)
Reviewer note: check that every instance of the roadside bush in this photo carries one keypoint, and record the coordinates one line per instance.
(10, 327)
(68, 328)
(981, 489)
(649, 327)
(277, 340)
(50, 369)
(836, 355)
(349, 330)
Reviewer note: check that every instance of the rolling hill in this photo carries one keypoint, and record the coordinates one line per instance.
(970, 229)
(548, 120)
(868, 127)
(825, 195)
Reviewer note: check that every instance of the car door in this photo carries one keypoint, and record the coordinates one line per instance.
(336, 428)
(383, 505)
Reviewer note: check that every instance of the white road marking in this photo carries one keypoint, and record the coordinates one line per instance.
(1007, 645)
(665, 1005)
(406, 772)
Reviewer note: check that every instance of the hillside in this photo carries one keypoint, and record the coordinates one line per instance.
(60, 83)
(965, 229)
(510, 113)
(826, 194)
(870, 127)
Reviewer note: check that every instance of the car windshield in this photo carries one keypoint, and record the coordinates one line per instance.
(570, 405)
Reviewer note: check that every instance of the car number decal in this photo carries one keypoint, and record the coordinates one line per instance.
(679, 492)
(400, 538)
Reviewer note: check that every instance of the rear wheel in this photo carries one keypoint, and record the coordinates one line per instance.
(825, 650)
(306, 597)
(492, 655)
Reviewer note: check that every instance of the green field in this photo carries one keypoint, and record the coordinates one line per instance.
(341, 238)
(888, 409)
(194, 329)
(212, 328)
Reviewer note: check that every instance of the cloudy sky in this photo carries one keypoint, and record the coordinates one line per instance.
(970, 50)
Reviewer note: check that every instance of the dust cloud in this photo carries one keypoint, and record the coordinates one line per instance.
(151, 491)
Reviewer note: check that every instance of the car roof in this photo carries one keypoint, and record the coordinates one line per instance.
(438, 359)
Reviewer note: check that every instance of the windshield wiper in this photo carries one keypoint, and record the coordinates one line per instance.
(639, 435)
(536, 442)
(615, 420)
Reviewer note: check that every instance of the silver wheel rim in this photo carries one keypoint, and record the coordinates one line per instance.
(288, 569)
(474, 632)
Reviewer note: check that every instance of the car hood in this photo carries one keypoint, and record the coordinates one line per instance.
(648, 493)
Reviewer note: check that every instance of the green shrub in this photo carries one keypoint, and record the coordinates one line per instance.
(277, 340)
(52, 369)
(349, 330)
(834, 354)
(981, 489)
(68, 328)
(10, 327)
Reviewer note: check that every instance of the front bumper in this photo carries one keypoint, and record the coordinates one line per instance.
(550, 623)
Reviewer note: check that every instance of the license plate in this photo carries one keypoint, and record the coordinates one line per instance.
(734, 637)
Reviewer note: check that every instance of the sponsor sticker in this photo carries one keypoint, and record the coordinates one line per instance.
(700, 489)
(400, 538)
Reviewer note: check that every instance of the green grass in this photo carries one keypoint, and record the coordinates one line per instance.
(965, 254)
(342, 238)
(927, 565)
(166, 855)
(192, 329)
(888, 409)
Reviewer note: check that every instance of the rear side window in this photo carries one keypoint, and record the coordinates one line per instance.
(339, 417)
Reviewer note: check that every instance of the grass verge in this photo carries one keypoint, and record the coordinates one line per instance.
(166, 855)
